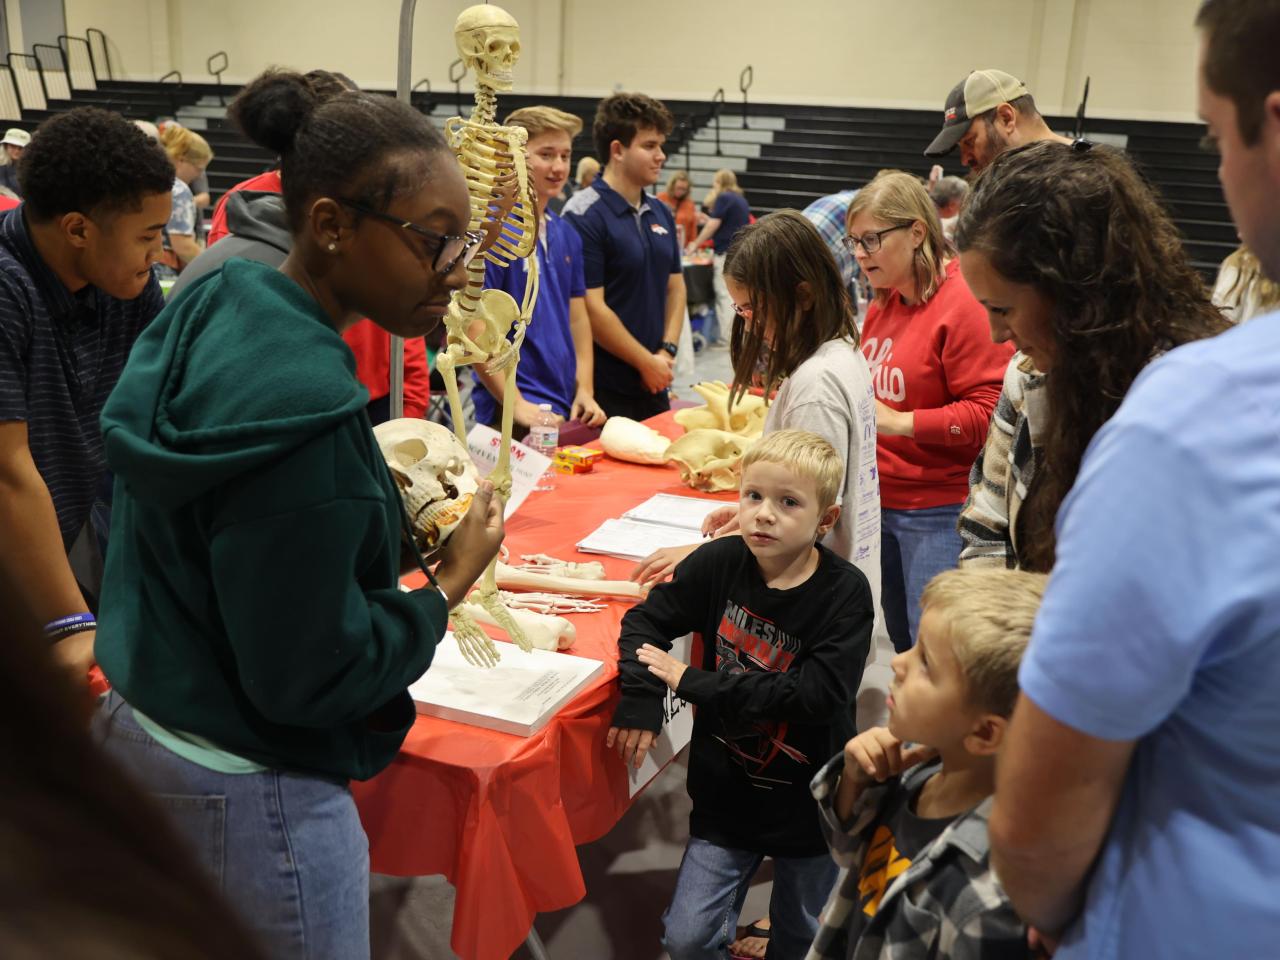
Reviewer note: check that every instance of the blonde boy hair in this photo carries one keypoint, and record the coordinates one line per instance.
(183, 144)
(806, 455)
(988, 613)
(540, 120)
(900, 198)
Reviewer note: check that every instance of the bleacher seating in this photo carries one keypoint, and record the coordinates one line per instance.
(786, 156)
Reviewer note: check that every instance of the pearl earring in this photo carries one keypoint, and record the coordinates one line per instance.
(332, 247)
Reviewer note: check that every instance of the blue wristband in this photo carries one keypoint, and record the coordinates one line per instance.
(75, 621)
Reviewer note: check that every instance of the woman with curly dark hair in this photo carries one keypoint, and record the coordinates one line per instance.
(1078, 264)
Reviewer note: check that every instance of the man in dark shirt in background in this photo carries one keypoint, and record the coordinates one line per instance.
(75, 291)
(631, 259)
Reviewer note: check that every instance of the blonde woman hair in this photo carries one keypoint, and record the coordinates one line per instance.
(587, 167)
(989, 613)
(725, 180)
(900, 198)
(183, 144)
(676, 178)
(806, 455)
(540, 120)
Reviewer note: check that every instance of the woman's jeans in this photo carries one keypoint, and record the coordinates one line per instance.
(702, 919)
(915, 546)
(286, 849)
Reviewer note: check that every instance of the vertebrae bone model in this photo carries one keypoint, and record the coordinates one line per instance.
(504, 208)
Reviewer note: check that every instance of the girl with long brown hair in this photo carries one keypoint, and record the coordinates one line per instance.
(1079, 265)
(937, 377)
(794, 331)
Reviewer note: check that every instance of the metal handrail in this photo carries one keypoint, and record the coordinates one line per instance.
(1079, 131)
(44, 94)
(106, 52)
(13, 83)
(62, 59)
(173, 94)
(425, 81)
(64, 41)
(217, 74)
(717, 104)
(745, 79)
(457, 70)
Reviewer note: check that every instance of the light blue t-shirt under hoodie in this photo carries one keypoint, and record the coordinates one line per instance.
(1161, 623)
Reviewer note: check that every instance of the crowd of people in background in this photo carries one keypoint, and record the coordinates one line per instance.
(1010, 427)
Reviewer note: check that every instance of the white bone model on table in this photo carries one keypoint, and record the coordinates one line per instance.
(504, 208)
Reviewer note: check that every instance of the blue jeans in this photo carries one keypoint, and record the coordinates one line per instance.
(703, 917)
(286, 849)
(915, 546)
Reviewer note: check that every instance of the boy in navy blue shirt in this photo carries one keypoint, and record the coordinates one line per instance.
(631, 258)
(556, 359)
(75, 291)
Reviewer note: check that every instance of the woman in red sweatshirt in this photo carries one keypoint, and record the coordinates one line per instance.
(937, 376)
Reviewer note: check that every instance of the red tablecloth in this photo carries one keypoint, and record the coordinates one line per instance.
(500, 815)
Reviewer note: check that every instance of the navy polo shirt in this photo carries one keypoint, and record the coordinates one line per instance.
(733, 213)
(60, 356)
(548, 370)
(631, 253)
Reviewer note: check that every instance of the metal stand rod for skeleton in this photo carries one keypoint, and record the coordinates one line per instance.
(404, 66)
(403, 83)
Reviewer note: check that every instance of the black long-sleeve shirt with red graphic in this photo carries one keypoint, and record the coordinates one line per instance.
(775, 691)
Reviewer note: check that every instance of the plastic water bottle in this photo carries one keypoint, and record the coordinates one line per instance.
(544, 436)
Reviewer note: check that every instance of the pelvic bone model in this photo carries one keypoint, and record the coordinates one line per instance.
(710, 460)
(503, 208)
(746, 417)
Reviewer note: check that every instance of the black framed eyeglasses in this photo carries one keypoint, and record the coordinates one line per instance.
(871, 240)
(448, 249)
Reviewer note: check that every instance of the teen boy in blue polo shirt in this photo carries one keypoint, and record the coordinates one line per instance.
(75, 291)
(556, 359)
(631, 258)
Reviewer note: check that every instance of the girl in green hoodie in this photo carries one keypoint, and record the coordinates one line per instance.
(251, 625)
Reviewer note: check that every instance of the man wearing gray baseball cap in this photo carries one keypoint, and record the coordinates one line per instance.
(1008, 114)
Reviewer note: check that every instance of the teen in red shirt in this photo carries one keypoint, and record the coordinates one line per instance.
(937, 376)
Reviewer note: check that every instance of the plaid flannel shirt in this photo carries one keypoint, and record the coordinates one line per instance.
(947, 904)
(1002, 474)
(828, 214)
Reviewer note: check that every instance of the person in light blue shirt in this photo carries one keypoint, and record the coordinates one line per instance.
(1138, 796)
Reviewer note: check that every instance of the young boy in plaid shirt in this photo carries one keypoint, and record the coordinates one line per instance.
(905, 808)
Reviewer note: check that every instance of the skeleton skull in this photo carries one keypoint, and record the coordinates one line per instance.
(710, 460)
(488, 40)
(434, 473)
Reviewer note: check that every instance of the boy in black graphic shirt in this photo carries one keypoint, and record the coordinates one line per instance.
(786, 628)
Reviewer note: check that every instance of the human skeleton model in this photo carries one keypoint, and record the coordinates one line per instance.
(503, 208)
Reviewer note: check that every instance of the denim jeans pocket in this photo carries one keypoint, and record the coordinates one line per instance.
(202, 822)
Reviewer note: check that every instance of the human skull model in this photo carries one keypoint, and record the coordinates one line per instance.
(434, 473)
(710, 460)
(488, 40)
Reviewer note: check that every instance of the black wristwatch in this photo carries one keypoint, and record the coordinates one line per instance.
(671, 348)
